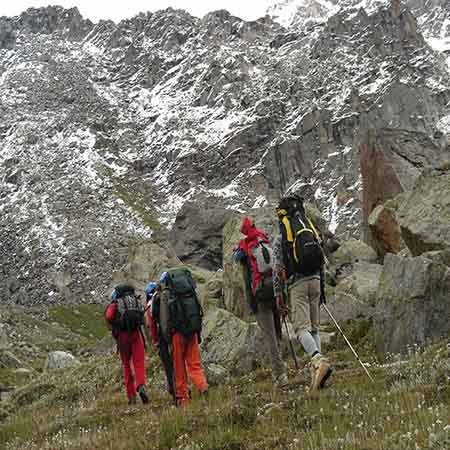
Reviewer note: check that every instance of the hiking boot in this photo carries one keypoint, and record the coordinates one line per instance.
(312, 371)
(322, 372)
(132, 401)
(143, 393)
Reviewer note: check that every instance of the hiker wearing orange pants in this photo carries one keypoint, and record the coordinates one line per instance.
(187, 363)
(180, 317)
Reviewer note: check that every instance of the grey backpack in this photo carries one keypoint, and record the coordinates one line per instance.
(263, 256)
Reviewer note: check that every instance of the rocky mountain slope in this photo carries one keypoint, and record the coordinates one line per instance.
(108, 129)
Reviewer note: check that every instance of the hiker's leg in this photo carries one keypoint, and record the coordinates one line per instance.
(301, 316)
(179, 365)
(166, 359)
(138, 356)
(128, 379)
(314, 309)
(266, 322)
(321, 368)
(194, 364)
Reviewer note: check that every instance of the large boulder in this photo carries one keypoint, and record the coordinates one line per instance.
(348, 254)
(231, 342)
(391, 162)
(385, 229)
(424, 216)
(197, 234)
(441, 257)
(60, 360)
(413, 303)
(354, 296)
(146, 262)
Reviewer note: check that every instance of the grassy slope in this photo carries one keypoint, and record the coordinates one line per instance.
(58, 328)
(85, 408)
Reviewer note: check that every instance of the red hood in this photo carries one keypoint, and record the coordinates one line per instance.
(251, 232)
(246, 226)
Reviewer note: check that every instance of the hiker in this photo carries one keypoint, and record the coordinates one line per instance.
(125, 315)
(298, 264)
(255, 253)
(160, 342)
(181, 323)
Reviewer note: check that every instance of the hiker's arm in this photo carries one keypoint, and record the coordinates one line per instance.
(239, 256)
(277, 268)
(153, 329)
(153, 322)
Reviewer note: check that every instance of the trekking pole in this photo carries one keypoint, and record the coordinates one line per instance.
(347, 341)
(290, 344)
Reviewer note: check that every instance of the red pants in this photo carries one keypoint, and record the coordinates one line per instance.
(132, 354)
(186, 362)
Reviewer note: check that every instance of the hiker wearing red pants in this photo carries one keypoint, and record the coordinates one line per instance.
(181, 321)
(125, 314)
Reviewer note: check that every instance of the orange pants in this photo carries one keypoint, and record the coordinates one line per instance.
(186, 362)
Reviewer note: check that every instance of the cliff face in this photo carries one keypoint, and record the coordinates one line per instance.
(108, 129)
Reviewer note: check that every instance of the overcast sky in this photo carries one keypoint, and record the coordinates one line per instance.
(121, 9)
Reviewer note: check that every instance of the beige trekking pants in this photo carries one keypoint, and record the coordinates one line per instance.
(266, 322)
(305, 303)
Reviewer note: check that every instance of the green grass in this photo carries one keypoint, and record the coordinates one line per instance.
(84, 320)
(138, 198)
(85, 408)
(9, 377)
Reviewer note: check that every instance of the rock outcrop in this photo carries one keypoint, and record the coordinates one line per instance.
(60, 360)
(385, 230)
(391, 162)
(348, 255)
(231, 342)
(354, 297)
(109, 129)
(196, 235)
(424, 215)
(413, 302)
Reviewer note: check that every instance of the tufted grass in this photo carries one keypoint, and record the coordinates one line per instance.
(84, 320)
(85, 408)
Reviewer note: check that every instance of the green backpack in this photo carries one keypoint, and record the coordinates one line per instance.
(185, 311)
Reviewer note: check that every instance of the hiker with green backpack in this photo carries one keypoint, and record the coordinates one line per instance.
(254, 253)
(180, 316)
(160, 342)
(298, 263)
(125, 316)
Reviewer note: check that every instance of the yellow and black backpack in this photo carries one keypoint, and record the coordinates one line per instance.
(301, 242)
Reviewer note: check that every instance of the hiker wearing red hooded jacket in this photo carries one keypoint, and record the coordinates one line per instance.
(254, 254)
(125, 315)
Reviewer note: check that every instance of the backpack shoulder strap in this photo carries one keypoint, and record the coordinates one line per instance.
(313, 228)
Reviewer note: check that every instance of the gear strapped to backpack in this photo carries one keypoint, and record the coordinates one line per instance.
(262, 254)
(301, 248)
(130, 311)
(185, 311)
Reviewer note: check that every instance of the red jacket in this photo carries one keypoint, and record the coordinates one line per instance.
(253, 236)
